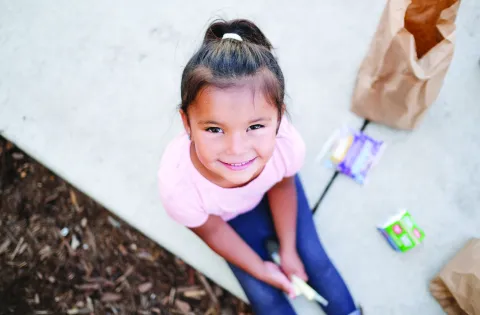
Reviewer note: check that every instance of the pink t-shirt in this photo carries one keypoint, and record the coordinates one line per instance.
(189, 198)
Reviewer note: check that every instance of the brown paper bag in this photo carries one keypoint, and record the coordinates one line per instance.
(457, 286)
(403, 72)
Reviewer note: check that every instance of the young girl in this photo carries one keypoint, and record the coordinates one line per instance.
(231, 177)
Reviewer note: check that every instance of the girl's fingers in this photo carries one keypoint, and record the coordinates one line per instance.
(292, 294)
(290, 290)
(303, 275)
(299, 273)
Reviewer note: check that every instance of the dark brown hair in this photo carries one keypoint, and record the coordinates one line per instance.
(223, 62)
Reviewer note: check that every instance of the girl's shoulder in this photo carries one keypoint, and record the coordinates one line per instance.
(177, 190)
(173, 170)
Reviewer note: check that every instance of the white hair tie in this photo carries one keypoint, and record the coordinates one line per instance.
(232, 36)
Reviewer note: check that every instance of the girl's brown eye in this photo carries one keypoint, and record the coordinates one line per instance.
(214, 129)
(255, 127)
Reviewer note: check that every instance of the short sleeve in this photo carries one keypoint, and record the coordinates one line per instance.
(291, 148)
(180, 200)
(184, 210)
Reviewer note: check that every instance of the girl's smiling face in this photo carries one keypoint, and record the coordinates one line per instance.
(233, 133)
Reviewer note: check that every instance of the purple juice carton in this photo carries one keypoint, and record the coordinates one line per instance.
(352, 153)
(401, 232)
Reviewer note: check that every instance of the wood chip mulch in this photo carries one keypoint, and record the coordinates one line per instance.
(62, 253)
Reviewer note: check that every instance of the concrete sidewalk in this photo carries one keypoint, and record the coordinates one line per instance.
(90, 90)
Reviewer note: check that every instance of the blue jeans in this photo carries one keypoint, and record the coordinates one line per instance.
(255, 227)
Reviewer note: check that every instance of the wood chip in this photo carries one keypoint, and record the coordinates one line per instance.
(75, 242)
(208, 288)
(145, 255)
(171, 296)
(113, 222)
(88, 287)
(73, 199)
(218, 291)
(211, 311)
(90, 304)
(22, 248)
(182, 306)
(12, 256)
(75, 311)
(165, 301)
(52, 197)
(195, 294)
(101, 281)
(111, 297)
(90, 240)
(191, 276)
(189, 288)
(17, 156)
(4, 246)
(144, 287)
(122, 250)
(114, 310)
(71, 252)
(45, 252)
(126, 274)
(18, 265)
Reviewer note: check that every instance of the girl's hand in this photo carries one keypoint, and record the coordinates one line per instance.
(292, 264)
(275, 277)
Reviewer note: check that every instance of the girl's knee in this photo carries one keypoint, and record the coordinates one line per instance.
(263, 297)
(261, 293)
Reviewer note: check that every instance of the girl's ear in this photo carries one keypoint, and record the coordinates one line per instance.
(186, 123)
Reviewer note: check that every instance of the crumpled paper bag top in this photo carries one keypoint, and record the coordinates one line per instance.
(457, 286)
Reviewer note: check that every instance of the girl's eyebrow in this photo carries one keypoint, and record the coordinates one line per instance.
(208, 122)
(260, 119)
(213, 122)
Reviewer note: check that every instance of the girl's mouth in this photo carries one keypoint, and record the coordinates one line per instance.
(239, 166)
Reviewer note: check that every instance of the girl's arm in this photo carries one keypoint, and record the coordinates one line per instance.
(283, 204)
(222, 239)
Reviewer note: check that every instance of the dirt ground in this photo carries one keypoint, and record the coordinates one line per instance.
(62, 253)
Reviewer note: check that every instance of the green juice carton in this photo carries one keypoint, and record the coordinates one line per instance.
(402, 232)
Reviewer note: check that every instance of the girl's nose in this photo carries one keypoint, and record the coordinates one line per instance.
(236, 144)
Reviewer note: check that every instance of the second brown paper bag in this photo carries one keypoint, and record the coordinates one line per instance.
(457, 286)
(403, 72)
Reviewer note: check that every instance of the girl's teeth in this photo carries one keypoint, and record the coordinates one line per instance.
(239, 164)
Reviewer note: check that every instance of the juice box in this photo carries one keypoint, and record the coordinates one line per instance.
(352, 153)
(402, 232)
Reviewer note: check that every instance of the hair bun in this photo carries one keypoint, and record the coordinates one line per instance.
(246, 29)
